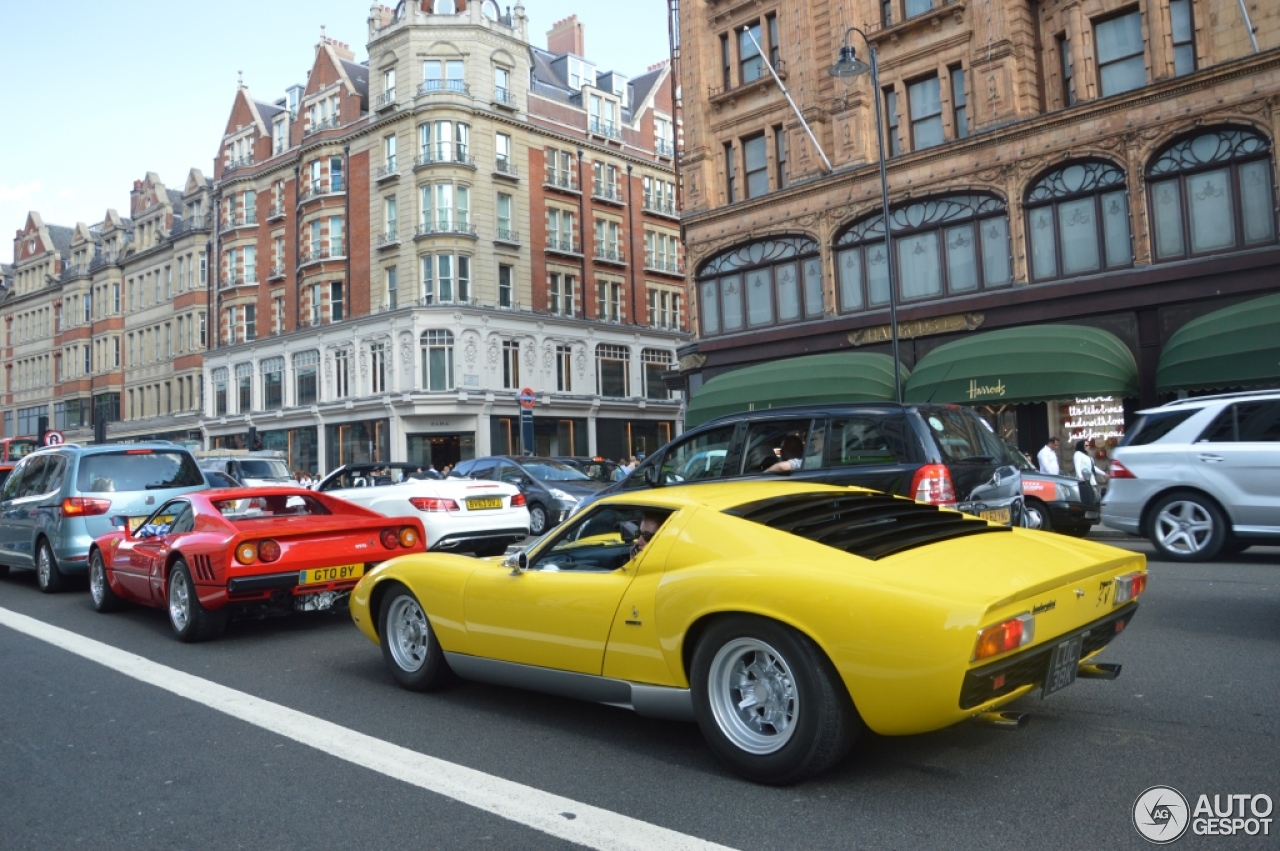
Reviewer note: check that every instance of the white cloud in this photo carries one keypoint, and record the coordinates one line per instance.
(21, 192)
(66, 192)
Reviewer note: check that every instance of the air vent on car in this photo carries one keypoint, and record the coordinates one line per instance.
(866, 524)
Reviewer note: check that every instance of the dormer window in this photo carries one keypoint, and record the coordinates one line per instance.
(278, 140)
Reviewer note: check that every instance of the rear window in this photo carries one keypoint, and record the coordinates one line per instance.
(1151, 427)
(264, 468)
(964, 436)
(554, 471)
(137, 470)
(1246, 422)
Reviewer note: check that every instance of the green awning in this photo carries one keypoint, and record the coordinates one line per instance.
(1037, 363)
(1238, 346)
(808, 380)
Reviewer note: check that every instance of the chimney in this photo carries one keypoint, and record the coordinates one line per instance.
(567, 36)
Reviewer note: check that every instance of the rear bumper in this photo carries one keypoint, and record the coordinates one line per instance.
(466, 540)
(1029, 667)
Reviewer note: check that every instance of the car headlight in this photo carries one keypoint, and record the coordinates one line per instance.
(1068, 493)
(556, 493)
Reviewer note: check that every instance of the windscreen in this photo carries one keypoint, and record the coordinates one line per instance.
(137, 470)
(963, 436)
(263, 468)
(266, 507)
(554, 471)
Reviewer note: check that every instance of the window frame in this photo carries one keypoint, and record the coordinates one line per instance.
(1032, 204)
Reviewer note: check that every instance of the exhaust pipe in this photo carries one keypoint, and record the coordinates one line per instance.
(1098, 671)
(1002, 720)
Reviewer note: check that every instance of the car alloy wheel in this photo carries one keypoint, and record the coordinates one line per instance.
(537, 519)
(48, 576)
(190, 620)
(104, 599)
(753, 696)
(408, 634)
(1185, 527)
(1037, 517)
(179, 603)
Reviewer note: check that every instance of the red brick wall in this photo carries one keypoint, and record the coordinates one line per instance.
(359, 235)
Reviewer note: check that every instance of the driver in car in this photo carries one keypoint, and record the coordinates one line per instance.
(649, 524)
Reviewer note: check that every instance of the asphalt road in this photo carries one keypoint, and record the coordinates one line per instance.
(91, 758)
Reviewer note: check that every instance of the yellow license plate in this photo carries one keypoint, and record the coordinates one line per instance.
(135, 522)
(474, 504)
(996, 515)
(321, 575)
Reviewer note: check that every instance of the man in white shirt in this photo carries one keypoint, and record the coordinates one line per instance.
(1048, 457)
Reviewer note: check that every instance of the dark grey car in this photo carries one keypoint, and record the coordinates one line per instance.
(939, 454)
(552, 489)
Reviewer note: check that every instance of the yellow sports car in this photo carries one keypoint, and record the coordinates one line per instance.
(781, 616)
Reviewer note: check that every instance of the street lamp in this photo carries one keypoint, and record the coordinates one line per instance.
(849, 65)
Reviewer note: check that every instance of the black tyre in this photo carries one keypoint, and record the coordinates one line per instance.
(4, 570)
(104, 599)
(769, 702)
(50, 579)
(1187, 527)
(1037, 515)
(538, 520)
(190, 620)
(409, 645)
(1076, 531)
(1232, 547)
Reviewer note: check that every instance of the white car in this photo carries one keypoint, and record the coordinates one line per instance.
(468, 515)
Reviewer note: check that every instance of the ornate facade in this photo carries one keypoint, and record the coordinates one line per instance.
(1093, 162)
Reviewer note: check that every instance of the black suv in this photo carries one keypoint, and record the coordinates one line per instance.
(939, 454)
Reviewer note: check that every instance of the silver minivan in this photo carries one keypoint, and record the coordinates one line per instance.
(58, 500)
(1199, 477)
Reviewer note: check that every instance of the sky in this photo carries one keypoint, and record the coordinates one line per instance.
(98, 94)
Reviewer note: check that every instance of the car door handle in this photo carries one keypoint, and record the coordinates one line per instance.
(1211, 459)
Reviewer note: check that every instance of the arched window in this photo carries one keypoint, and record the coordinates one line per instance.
(445, 7)
(1078, 221)
(770, 282)
(437, 359)
(946, 246)
(1211, 192)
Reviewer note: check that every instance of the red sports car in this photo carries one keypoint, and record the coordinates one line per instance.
(206, 554)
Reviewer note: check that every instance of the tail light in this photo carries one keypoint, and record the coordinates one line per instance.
(390, 538)
(932, 484)
(433, 503)
(269, 551)
(1120, 471)
(408, 537)
(247, 553)
(1003, 637)
(1129, 586)
(79, 506)
(517, 501)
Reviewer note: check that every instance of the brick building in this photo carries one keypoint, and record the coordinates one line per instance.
(405, 243)
(1095, 163)
(106, 322)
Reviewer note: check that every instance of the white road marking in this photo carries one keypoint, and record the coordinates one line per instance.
(552, 814)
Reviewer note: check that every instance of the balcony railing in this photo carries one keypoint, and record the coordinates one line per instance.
(603, 127)
(232, 281)
(234, 163)
(663, 148)
(564, 246)
(429, 87)
(503, 97)
(610, 254)
(99, 261)
(73, 271)
(277, 271)
(507, 235)
(662, 264)
(319, 188)
(240, 219)
(444, 156)
(191, 223)
(276, 211)
(606, 192)
(661, 208)
(506, 166)
(323, 124)
(387, 171)
(391, 236)
(439, 228)
(386, 100)
(561, 180)
(317, 255)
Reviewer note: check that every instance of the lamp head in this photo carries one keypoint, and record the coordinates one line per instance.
(849, 65)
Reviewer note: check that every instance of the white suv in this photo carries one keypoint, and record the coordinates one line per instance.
(1200, 476)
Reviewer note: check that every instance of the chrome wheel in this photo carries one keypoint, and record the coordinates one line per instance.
(753, 696)
(1035, 516)
(179, 601)
(1184, 527)
(97, 579)
(408, 635)
(537, 519)
(44, 567)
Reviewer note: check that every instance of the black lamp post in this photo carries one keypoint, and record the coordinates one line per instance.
(849, 65)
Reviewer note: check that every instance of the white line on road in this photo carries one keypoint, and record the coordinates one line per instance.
(561, 817)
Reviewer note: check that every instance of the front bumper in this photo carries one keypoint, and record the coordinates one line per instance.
(1062, 513)
(1029, 667)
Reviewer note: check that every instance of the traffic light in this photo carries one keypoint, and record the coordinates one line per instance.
(252, 443)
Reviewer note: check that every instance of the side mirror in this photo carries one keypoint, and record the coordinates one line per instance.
(629, 531)
(121, 522)
(518, 562)
(653, 475)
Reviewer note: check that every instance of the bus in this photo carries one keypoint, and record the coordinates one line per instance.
(12, 449)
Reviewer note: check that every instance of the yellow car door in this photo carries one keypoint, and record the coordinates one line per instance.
(558, 610)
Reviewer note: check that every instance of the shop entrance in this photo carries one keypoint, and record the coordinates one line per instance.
(442, 450)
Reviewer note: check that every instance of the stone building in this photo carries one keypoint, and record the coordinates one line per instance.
(1091, 163)
(106, 322)
(405, 243)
